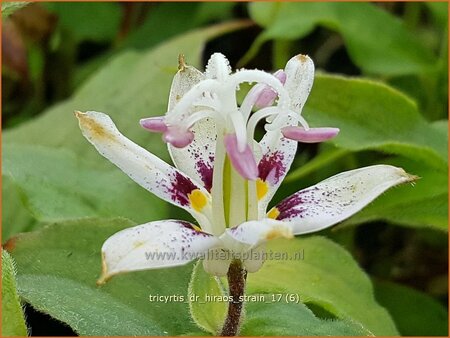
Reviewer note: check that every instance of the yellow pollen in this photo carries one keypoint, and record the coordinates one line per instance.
(261, 188)
(273, 213)
(197, 199)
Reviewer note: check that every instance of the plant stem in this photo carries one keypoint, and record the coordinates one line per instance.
(236, 283)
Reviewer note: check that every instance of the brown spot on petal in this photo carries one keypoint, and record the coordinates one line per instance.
(302, 58)
(181, 63)
(92, 127)
(104, 276)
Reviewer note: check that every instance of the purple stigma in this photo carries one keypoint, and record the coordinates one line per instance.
(313, 135)
(154, 124)
(178, 137)
(244, 162)
(265, 94)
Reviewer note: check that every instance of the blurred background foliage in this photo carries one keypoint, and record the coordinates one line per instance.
(114, 57)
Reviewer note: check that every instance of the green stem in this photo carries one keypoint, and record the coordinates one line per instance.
(236, 282)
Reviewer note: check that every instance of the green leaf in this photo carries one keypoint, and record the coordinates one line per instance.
(414, 312)
(59, 265)
(423, 205)
(15, 215)
(321, 272)
(9, 8)
(94, 21)
(207, 314)
(268, 317)
(395, 51)
(13, 321)
(57, 185)
(373, 116)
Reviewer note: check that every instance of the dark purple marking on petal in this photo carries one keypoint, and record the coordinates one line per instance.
(205, 171)
(271, 167)
(193, 231)
(291, 206)
(181, 187)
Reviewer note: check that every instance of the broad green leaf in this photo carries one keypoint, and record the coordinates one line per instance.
(10, 7)
(55, 185)
(130, 86)
(94, 21)
(373, 116)
(207, 314)
(394, 51)
(57, 271)
(414, 312)
(322, 273)
(13, 321)
(269, 317)
(15, 215)
(423, 205)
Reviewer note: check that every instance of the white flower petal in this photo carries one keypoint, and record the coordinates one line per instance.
(250, 234)
(299, 81)
(337, 198)
(144, 168)
(154, 245)
(186, 78)
(255, 258)
(197, 158)
(217, 262)
(277, 151)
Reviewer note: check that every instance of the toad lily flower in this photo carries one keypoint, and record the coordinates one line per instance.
(223, 177)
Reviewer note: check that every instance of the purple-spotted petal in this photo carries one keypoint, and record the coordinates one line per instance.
(278, 153)
(154, 245)
(312, 135)
(144, 168)
(337, 198)
(244, 162)
(299, 81)
(154, 124)
(197, 158)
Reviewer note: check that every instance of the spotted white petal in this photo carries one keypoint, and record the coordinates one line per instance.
(154, 245)
(300, 77)
(144, 168)
(337, 198)
(197, 158)
(248, 235)
(186, 78)
(277, 151)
